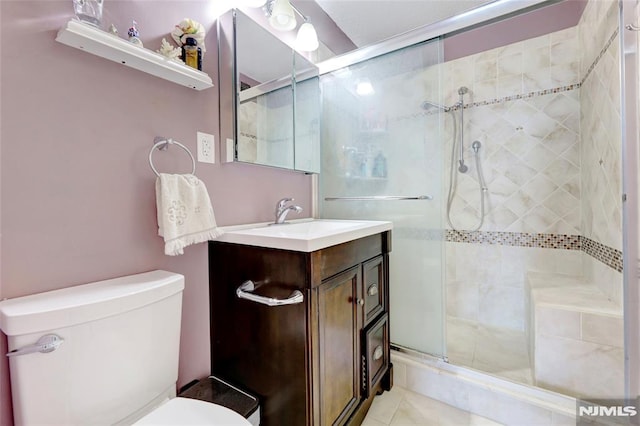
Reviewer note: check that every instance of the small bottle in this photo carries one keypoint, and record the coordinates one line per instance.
(192, 54)
(363, 167)
(380, 166)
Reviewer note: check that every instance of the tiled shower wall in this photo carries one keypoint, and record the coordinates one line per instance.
(528, 104)
(525, 110)
(261, 137)
(601, 141)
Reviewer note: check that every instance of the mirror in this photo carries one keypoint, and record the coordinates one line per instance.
(269, 98)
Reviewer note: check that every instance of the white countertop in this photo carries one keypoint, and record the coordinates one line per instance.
(304, 235)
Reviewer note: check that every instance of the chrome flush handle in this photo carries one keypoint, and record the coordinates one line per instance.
(45, 344)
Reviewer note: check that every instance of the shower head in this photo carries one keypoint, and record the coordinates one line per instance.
(463, 90)
(427, 105)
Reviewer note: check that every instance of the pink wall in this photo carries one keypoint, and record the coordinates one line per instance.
(77, 193)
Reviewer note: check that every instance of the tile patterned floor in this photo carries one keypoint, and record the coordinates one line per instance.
(400, 407)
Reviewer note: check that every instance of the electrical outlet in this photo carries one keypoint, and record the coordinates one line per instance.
(206, 148)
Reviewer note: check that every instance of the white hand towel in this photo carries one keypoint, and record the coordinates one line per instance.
(185, 215)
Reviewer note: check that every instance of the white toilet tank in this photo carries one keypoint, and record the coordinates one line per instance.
(118, 358)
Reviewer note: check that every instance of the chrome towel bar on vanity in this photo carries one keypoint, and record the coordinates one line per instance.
(244, 292)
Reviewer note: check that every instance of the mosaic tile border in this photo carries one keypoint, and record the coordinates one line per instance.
(494, 101)
(600, 55)
(518, 239)
(247, 135)
(250, 136)
(521, 96)
(605, 254)
(528, 95)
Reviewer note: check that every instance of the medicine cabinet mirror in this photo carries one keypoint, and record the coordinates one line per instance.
(269, 98)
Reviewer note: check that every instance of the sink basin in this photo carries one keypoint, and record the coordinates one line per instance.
(307, 236)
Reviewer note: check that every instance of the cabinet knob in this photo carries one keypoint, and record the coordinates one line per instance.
(372, 290)
(360, 302)
(377, 353)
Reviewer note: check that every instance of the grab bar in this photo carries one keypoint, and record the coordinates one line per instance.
(380, 198)
(244, 292)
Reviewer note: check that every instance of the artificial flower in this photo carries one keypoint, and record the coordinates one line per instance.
(189, 28)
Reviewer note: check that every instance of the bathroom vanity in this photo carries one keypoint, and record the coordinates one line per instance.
(317, 357)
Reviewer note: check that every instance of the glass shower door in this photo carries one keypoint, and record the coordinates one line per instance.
(382, 160)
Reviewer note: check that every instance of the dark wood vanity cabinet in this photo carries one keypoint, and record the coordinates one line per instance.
(315, 363)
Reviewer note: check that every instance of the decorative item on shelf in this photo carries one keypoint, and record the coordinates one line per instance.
(133, 35)
(188, 28)
(113, 30)
(189, 36)
(192, 54)
(89, 11)
(173, 53)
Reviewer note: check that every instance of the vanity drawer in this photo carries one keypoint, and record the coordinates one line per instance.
(373, 288)
(375, 356)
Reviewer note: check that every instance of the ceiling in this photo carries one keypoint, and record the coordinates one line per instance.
(366, 22)
(345, 25)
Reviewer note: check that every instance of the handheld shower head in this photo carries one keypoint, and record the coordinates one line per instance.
(463, 90)
(476, 146)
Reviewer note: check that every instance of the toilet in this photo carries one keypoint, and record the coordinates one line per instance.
(104, 353)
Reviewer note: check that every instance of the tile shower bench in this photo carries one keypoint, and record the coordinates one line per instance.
(576, 336)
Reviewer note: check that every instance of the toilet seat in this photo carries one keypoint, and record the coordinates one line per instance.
(187, 411)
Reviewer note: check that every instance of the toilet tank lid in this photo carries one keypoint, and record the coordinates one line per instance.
(88, 302)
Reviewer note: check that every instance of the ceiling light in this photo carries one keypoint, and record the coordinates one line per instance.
(282, 16)
(307, 39)
(254, 3)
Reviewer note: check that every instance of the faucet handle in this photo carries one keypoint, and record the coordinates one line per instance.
(284, 201)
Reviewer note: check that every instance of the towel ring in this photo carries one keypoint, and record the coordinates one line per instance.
(162, 143)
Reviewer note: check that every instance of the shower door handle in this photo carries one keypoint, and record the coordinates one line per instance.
(381, 198)
(244, 292)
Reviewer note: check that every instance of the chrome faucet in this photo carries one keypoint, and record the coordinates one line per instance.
(282, 210)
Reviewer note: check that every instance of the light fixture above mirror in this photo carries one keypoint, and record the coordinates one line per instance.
(282, 17)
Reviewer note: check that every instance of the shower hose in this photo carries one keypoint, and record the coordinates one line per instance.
(453, 177)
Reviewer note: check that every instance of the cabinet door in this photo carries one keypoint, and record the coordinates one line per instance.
(339, 323)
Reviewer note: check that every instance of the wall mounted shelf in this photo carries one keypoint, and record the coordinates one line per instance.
(93, 40)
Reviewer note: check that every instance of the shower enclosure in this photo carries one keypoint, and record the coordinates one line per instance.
(499, 162)
(379, 162)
